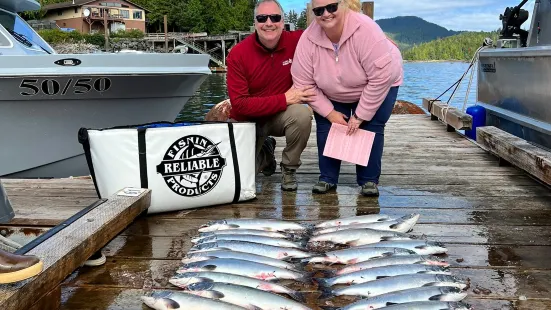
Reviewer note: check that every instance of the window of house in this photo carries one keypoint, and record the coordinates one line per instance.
(110, 4)
(124, 13)
(137, 15)
(76, 10)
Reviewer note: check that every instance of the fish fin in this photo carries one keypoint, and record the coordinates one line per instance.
(391, 303)
(421, 247)
(171, 303)
(233, 225)
(298, 296)
(326, 292)
(322, 282)
(387, 254)
(268, 228)
(252, 307)
(433, 284)
(210, 267)
(355, 242)
(381, 277)
(394, 226)
(214, 294)
(438, 297)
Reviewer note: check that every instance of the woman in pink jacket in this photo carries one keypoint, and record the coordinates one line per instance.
(356, 71)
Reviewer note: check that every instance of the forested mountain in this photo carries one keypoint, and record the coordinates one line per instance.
(411, 30)
(458, 47)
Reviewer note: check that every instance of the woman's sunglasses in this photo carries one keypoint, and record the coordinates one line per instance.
(331, 8)
(275, 18)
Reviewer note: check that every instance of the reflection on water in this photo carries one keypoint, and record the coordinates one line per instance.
(421, 79)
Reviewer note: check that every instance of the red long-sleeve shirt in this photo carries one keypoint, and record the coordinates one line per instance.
(257, 79)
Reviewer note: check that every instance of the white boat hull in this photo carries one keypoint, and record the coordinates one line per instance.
(42, 111)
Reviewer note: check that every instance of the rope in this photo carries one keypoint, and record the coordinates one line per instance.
(457, 84)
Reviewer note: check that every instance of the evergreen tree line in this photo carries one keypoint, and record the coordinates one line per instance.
(457, 47)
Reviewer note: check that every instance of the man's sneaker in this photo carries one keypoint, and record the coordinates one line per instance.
(323, 187)
(97, 259)
(269, 148)
(370, 189)
(288, 179)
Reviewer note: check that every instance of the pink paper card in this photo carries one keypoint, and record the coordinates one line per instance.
(354, 149)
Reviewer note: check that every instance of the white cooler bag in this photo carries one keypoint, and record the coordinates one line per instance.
(186, 165)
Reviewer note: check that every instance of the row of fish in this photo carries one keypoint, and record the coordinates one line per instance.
(240, 264)
(386, 267)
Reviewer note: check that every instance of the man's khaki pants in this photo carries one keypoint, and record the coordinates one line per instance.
(295, 124)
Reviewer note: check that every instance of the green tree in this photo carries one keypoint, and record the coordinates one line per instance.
(301, 21)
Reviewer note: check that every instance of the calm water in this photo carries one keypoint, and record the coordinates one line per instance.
(421, 80)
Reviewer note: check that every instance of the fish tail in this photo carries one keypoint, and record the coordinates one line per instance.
(306, 277)
(298, 296)
(326, 292)
(328, 273)
(300, 265)
(322, 282)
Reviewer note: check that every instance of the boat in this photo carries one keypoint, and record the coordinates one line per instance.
(46, 97)
(514, 75)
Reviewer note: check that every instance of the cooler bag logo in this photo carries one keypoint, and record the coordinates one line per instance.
(192, 166)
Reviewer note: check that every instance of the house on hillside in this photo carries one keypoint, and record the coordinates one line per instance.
(89, 16)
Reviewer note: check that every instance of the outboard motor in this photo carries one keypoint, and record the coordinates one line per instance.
(512, 19)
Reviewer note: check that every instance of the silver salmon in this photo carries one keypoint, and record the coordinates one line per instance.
(397, 283)
(394, 260)
(183, 280)
(356, 255)
(168, 300)
(436, 293)
(256, 248)
(372, 274)
(430, 305)
(356, 237)
(253, 238)
(370, 218)
(201, 256)
(245, 268)
(244, 296)
(403, 224)
(257, 224)
(237, 231)
(420, 247)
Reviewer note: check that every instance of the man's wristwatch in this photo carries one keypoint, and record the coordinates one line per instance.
(356, 116)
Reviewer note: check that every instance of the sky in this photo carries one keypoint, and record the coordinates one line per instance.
(470, 15)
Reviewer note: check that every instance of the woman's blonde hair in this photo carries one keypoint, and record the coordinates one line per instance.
(354, 5)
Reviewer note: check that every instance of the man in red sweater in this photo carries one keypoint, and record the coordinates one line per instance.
(261, 90)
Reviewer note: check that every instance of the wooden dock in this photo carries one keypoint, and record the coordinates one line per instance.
(495, 220)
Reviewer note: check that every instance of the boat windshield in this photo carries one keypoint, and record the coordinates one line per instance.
(22, 32)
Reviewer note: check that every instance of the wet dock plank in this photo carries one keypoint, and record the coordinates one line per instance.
(494, 220)
(68, 248)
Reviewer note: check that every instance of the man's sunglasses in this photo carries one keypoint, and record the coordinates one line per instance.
(331, 8)
(275, 18)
